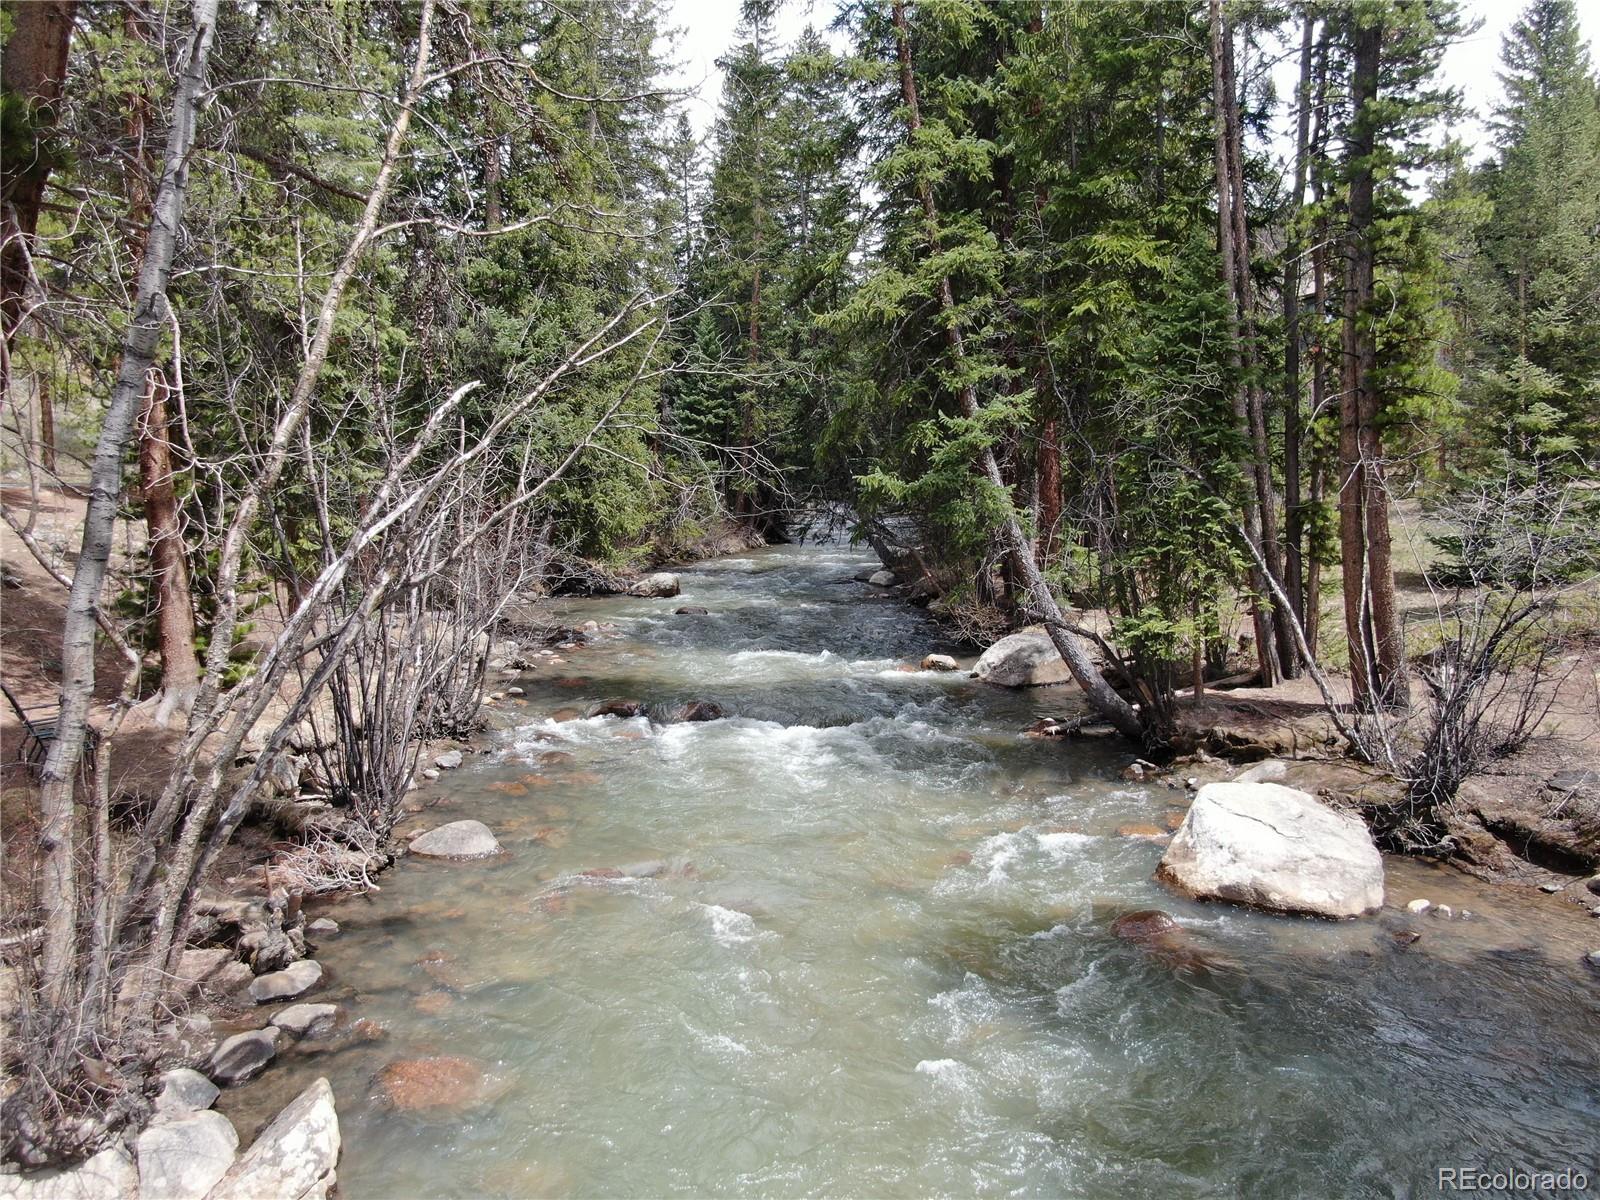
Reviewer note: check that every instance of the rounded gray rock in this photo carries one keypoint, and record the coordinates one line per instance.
(458, 839)
(244, 1055)
(296, 979)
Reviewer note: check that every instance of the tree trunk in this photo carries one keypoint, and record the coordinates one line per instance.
(180, 665)
(174, 607)
(1371, 617)
(1049, 469)
(1102, 697)
(34, 68)
(1228, 250)
(47, 422)
(58, 882)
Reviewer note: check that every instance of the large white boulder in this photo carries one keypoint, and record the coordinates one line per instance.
(458, 839)
(1026, 659)
(293, 1157)
(662, 583)
(1276, 848)
(183, 1159)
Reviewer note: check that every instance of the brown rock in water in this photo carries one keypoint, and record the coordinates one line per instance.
(1144, 925)
(617, 708)
(431, 1004)
(565, 714)
(572, 681)
(445, 1081)
(582, 778)
(549, 835)
(509, 787)
(1173, 818)
(699, 710)
(1150, 832)
(552, 758)
(960, 858)
(601, 873)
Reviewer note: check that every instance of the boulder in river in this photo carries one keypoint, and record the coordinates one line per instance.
(883, 579)
(292, 1157)
(184, 1091)
(109, 1175)
(244, 1055)
(296, 979)
(939, 662)
(1026, 659)
(458, 839)
(1274, 848)
(618, 708)
(301, 1019)
(444, 1081)
(661, 583)
(691, 610)
(699, 710)
(448, 761)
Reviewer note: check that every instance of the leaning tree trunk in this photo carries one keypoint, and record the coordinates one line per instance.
(1101, 695)
(1377, 661)
(58, 881)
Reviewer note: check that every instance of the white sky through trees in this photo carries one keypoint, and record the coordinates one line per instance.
(707, 30)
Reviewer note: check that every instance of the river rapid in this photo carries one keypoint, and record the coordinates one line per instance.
(868, 953)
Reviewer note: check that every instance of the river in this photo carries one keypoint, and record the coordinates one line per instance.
(873, 954)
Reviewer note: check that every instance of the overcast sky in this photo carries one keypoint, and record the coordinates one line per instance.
(707, 31)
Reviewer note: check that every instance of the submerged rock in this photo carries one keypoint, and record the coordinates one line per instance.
(458, 839)
(1144, 925)
(691, 610)
(940, 662)
(1026, 659)
(244, 1055)
(183, 1159)
(661, 583)
(293, 1157)
(1274, 848)
(445, 1081)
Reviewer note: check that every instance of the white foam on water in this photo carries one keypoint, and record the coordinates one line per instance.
(1064, 845)
(730, 927)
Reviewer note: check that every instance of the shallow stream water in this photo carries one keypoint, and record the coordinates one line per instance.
(872, 955)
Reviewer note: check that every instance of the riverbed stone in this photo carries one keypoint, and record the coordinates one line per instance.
(442, 1081)
(699, 710)
(1419, 906)
(109, 1175)
(184, 1091)
(691, 610)
(294, 980)
(184, 1159)
(301, 1019)
(1274, 848)
(1026, 659)
(244, 1055)
(656, 585)
(323, 927)
(883, 579)
(294, 1157)
(624, 709)
(939, 662)
(458, 839)
(449, 760)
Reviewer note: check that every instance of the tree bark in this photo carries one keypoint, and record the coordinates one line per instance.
(1371, 618)
(34, 69)
(1228, 250)
(174, 605)
(180, 665)
(58, 882)
(1102, 697)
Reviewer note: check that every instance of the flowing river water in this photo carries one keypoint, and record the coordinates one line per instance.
(864, 949)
